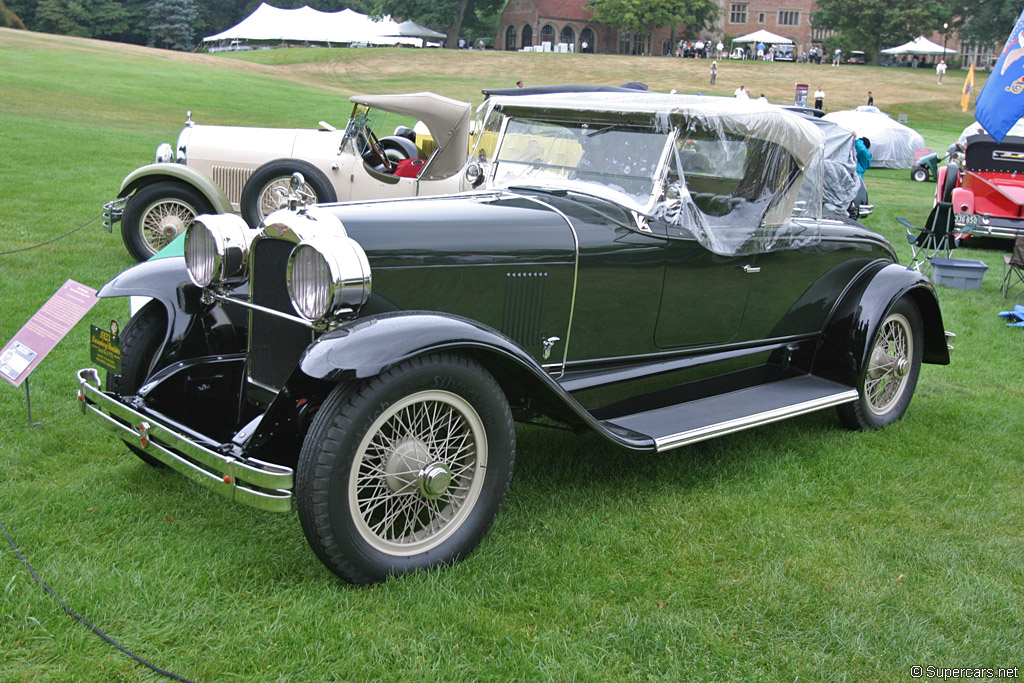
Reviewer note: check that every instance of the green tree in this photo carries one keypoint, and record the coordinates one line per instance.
(9, 19)
(987, 22)
(645, 16)
(106, 19)
(873, 24)
(171, 24)
(442, 15)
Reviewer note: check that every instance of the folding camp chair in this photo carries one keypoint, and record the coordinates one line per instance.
(936, 238)
(1013, 269)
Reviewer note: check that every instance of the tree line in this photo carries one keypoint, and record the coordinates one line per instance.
(180, 24)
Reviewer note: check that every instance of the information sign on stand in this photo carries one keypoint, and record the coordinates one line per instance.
(20, 356)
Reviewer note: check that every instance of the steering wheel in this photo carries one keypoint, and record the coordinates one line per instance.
(374, 152)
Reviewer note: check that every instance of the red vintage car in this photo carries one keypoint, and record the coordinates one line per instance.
(985, 185)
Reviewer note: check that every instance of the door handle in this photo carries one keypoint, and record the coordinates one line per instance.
(751, 269)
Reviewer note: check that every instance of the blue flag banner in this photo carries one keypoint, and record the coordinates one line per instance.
(1001, 101)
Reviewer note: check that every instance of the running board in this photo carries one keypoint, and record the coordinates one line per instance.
(706, 418)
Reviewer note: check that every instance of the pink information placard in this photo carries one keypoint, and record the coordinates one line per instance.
(44, 329)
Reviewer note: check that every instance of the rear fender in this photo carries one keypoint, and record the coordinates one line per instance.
(153, 173)
(845, 344)
(963, 200)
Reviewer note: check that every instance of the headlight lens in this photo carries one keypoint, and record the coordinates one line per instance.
(164, 154)
(328, 274)
(217, 249)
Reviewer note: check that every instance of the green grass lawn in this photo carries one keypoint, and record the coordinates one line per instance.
(795, 551)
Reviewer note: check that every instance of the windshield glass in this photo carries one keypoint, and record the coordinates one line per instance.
(587, 156)
(366, 121)
(740, 177)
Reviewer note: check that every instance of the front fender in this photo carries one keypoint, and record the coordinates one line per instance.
(846, 342)
(191, 324)
(146, 175)
(368, 346)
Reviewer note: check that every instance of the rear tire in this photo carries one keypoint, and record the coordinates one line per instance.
(890, 371)
(260, 195)
(952, 171)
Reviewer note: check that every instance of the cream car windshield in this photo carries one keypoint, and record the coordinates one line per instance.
(589, 157)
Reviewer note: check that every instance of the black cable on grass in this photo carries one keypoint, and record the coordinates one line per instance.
(55, 239)
(82, 619)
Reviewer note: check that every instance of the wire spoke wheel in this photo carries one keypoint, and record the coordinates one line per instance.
(273, 195)
(407, 470)
(164, 220)
(417, 473)
(891, 360)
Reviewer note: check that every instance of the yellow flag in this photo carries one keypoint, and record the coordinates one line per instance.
(965, 99)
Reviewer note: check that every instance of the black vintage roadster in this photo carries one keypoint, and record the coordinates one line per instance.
(653, 268)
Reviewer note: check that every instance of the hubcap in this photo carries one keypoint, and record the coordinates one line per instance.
(889, 364)
(418, 472)
(165, 220)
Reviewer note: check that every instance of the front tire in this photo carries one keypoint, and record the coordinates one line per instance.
(140, 345)
(888, 380)
(406, 471)
(158, 213)
(262, 193)
(919, 174)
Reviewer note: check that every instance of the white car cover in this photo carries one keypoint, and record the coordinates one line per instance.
(892, 143)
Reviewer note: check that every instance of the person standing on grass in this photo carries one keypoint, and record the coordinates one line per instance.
(741, 93)
(871, 99)
(819, 98)
(714, 71)
(940, 70)
(863, 147)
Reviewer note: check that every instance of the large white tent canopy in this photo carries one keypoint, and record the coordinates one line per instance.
(308, 25)
(762, 36)
(918, 46)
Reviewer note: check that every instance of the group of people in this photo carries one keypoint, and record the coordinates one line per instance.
(700, 49)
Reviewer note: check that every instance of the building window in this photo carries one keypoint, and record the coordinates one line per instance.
(510, 38)
(738, 13)
(547, 35)
(789, 18)
(527, 36)
(760, 17)
(568, 35)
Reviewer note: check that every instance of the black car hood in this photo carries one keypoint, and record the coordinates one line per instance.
(436, 230)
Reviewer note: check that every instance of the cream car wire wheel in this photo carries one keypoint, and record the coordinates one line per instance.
(418, 472)
(163, 220)
(272, 196)
(889, 364)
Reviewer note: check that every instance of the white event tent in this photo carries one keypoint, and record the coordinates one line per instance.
(307, 25)
(762, 36)
(918, 46)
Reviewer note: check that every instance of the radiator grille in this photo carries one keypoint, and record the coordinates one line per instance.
(231, 179)
(275, 344)
(524, 301)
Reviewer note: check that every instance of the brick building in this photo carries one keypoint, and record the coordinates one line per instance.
(532, 22)
(526, 23)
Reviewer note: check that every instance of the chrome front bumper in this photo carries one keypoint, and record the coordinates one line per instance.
(251, 482)
(112, 212)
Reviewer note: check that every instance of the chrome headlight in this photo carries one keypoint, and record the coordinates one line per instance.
(164, 154)
(217, 249)
(327, 275)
